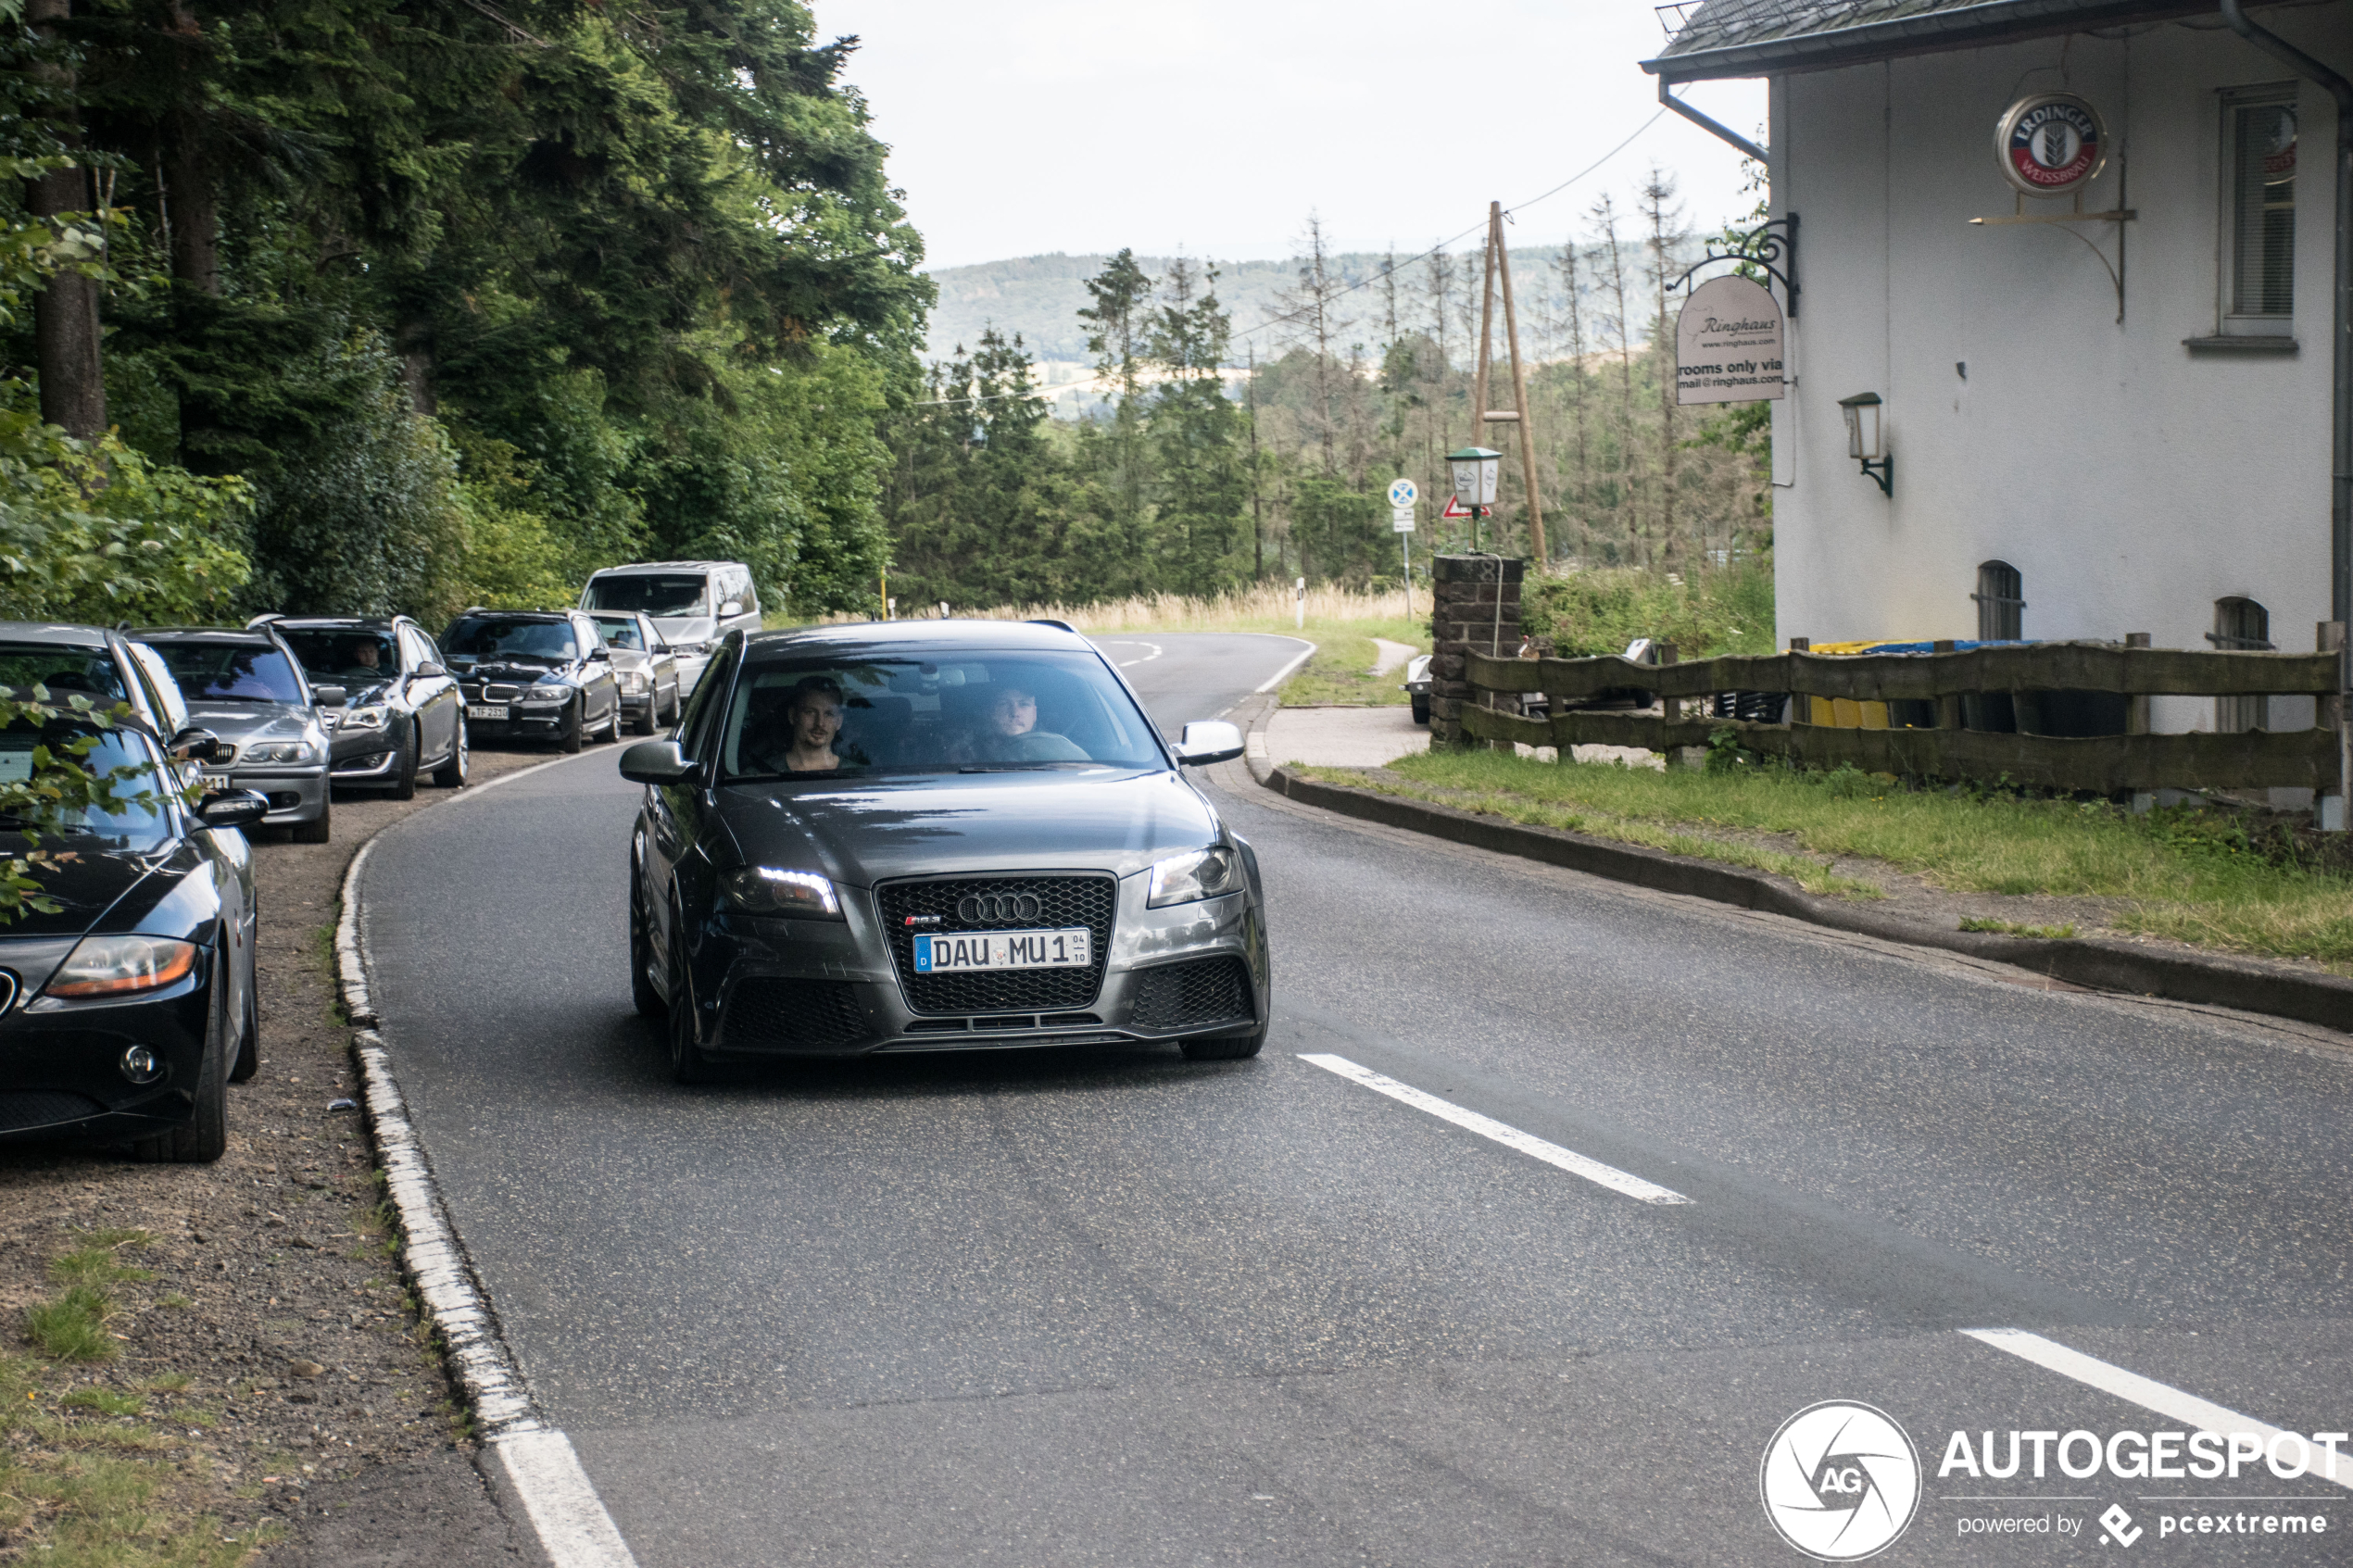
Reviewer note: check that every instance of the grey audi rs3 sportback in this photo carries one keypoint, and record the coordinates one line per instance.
(935, 836)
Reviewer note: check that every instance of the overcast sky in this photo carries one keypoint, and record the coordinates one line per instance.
(1019, 127)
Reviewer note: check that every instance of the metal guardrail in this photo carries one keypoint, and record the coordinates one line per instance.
(2103, 764)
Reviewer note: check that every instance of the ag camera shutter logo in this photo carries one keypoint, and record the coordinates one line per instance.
(1840, 1481)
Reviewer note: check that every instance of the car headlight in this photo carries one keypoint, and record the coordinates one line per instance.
(764, 890)
(119, 966)
(375, 716)
(1204, 874)
(633, 681)
(540, 696)
(281, 751)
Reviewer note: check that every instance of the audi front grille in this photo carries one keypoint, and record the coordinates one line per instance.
(1009, 903)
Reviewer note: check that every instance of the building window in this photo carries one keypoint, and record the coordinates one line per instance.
(2001, 604)
(2243, 624)
(2260, 135)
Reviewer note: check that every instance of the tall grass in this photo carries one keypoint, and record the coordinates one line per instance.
(1253, 609)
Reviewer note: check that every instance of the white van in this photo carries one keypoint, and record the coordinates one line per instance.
(692, 604)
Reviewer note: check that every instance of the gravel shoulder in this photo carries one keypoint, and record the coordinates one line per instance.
(270, 1368)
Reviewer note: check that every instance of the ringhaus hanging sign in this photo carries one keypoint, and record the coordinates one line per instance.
(1728, 343)
(2050, 144)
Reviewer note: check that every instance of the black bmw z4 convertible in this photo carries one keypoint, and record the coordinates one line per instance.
(935, 836)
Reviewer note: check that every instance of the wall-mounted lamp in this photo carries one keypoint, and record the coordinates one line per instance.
(1865, 442)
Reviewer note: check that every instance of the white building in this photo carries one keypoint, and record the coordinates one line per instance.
(2154, 457)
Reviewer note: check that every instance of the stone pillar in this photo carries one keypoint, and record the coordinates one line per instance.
(1467, 595)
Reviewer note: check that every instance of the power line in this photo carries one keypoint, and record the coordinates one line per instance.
(1363, 282)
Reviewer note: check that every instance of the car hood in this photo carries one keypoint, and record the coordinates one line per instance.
(86, 886)
(522, 671)
(1120, 821)
(629, 659)
(686, 628)
(249, 721)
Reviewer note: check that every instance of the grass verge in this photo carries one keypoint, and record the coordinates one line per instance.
(2184, 874)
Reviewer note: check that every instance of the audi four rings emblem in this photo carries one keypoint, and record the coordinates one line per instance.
(998, 906)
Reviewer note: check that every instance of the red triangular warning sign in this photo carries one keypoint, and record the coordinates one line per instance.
(1455, 507)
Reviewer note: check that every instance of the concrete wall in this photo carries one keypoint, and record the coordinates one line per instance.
(2132, 482)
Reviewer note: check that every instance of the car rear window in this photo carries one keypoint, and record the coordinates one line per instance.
(209, 671)
(90, 671)
(978, 711)
(654, 593)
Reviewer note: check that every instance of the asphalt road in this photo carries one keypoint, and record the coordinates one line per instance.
(1115, 1308)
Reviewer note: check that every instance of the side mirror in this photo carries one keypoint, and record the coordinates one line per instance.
(429, 671)
(596, 653)
(655, 762)
(329, 696)
(232, 809)
(732, 606)
(194, 744)
(1206, 741)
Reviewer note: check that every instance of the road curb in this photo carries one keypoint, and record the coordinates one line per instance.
(2097, 964)
(534, 1458)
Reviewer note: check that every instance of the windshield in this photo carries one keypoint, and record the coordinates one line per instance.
(654, 593)
(90, 671)
(358, 656)
(231, 672)
(482, 637)
(969, 712)
(129, 826)
(620, 632)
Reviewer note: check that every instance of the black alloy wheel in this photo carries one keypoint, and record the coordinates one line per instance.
(688, 1063)
(568, 736)
(205, 1136)
(320, 828)
(452, 773)
(249, 1041)
(1226, 1048)
(642, 989)
(404, 766)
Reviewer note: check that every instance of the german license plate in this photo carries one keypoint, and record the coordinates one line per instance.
(486, 710)
(969, 950)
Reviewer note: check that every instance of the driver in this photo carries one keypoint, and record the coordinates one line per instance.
(812, 722)
(1010, 732)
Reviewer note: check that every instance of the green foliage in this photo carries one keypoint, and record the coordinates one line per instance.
(71, 1327)
(1728, 610)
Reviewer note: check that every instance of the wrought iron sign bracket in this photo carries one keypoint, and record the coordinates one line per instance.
(1770, 247)
(2119, 216)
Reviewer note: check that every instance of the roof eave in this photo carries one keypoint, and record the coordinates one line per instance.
(1996, 21)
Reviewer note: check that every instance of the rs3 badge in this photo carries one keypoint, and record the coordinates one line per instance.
(2051, 143)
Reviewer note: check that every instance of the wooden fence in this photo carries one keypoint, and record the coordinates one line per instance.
(2102, 764)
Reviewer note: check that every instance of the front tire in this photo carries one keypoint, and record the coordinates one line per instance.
(1226, 1048)
(569, 741)
(652, 720)
(404, 770)
(320, 828)
(204, 1138)
(642, 989)
(1421, 711)
(688, 1063)
(452, 773)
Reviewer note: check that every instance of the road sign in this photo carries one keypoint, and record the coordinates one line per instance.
(1455, 507)
(1404, 492)
(1402, 518)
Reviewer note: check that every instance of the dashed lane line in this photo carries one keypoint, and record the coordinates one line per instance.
(1551, 1154)
(2163, 1397)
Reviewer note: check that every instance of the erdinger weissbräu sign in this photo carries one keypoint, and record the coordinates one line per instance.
(1728, 343)
(2050, 144)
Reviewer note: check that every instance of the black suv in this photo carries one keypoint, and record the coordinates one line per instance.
(536, 675)
(401, 712)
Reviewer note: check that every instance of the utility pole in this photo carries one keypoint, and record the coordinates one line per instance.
(1519, 392)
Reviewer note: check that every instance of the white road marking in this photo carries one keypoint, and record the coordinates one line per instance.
(1279, 676)
(1123, 643)
(1528, 1144)
(565, 1510)
(2163, 1397)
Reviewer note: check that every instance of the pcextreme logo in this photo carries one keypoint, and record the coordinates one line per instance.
(1840, 1481)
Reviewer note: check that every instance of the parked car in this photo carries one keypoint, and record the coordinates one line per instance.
(1417, 686)
(126, 1012)
(400, 712)
(647, 669)
(536, 675)
(694, 603)
(248, 690)
(935, 836)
